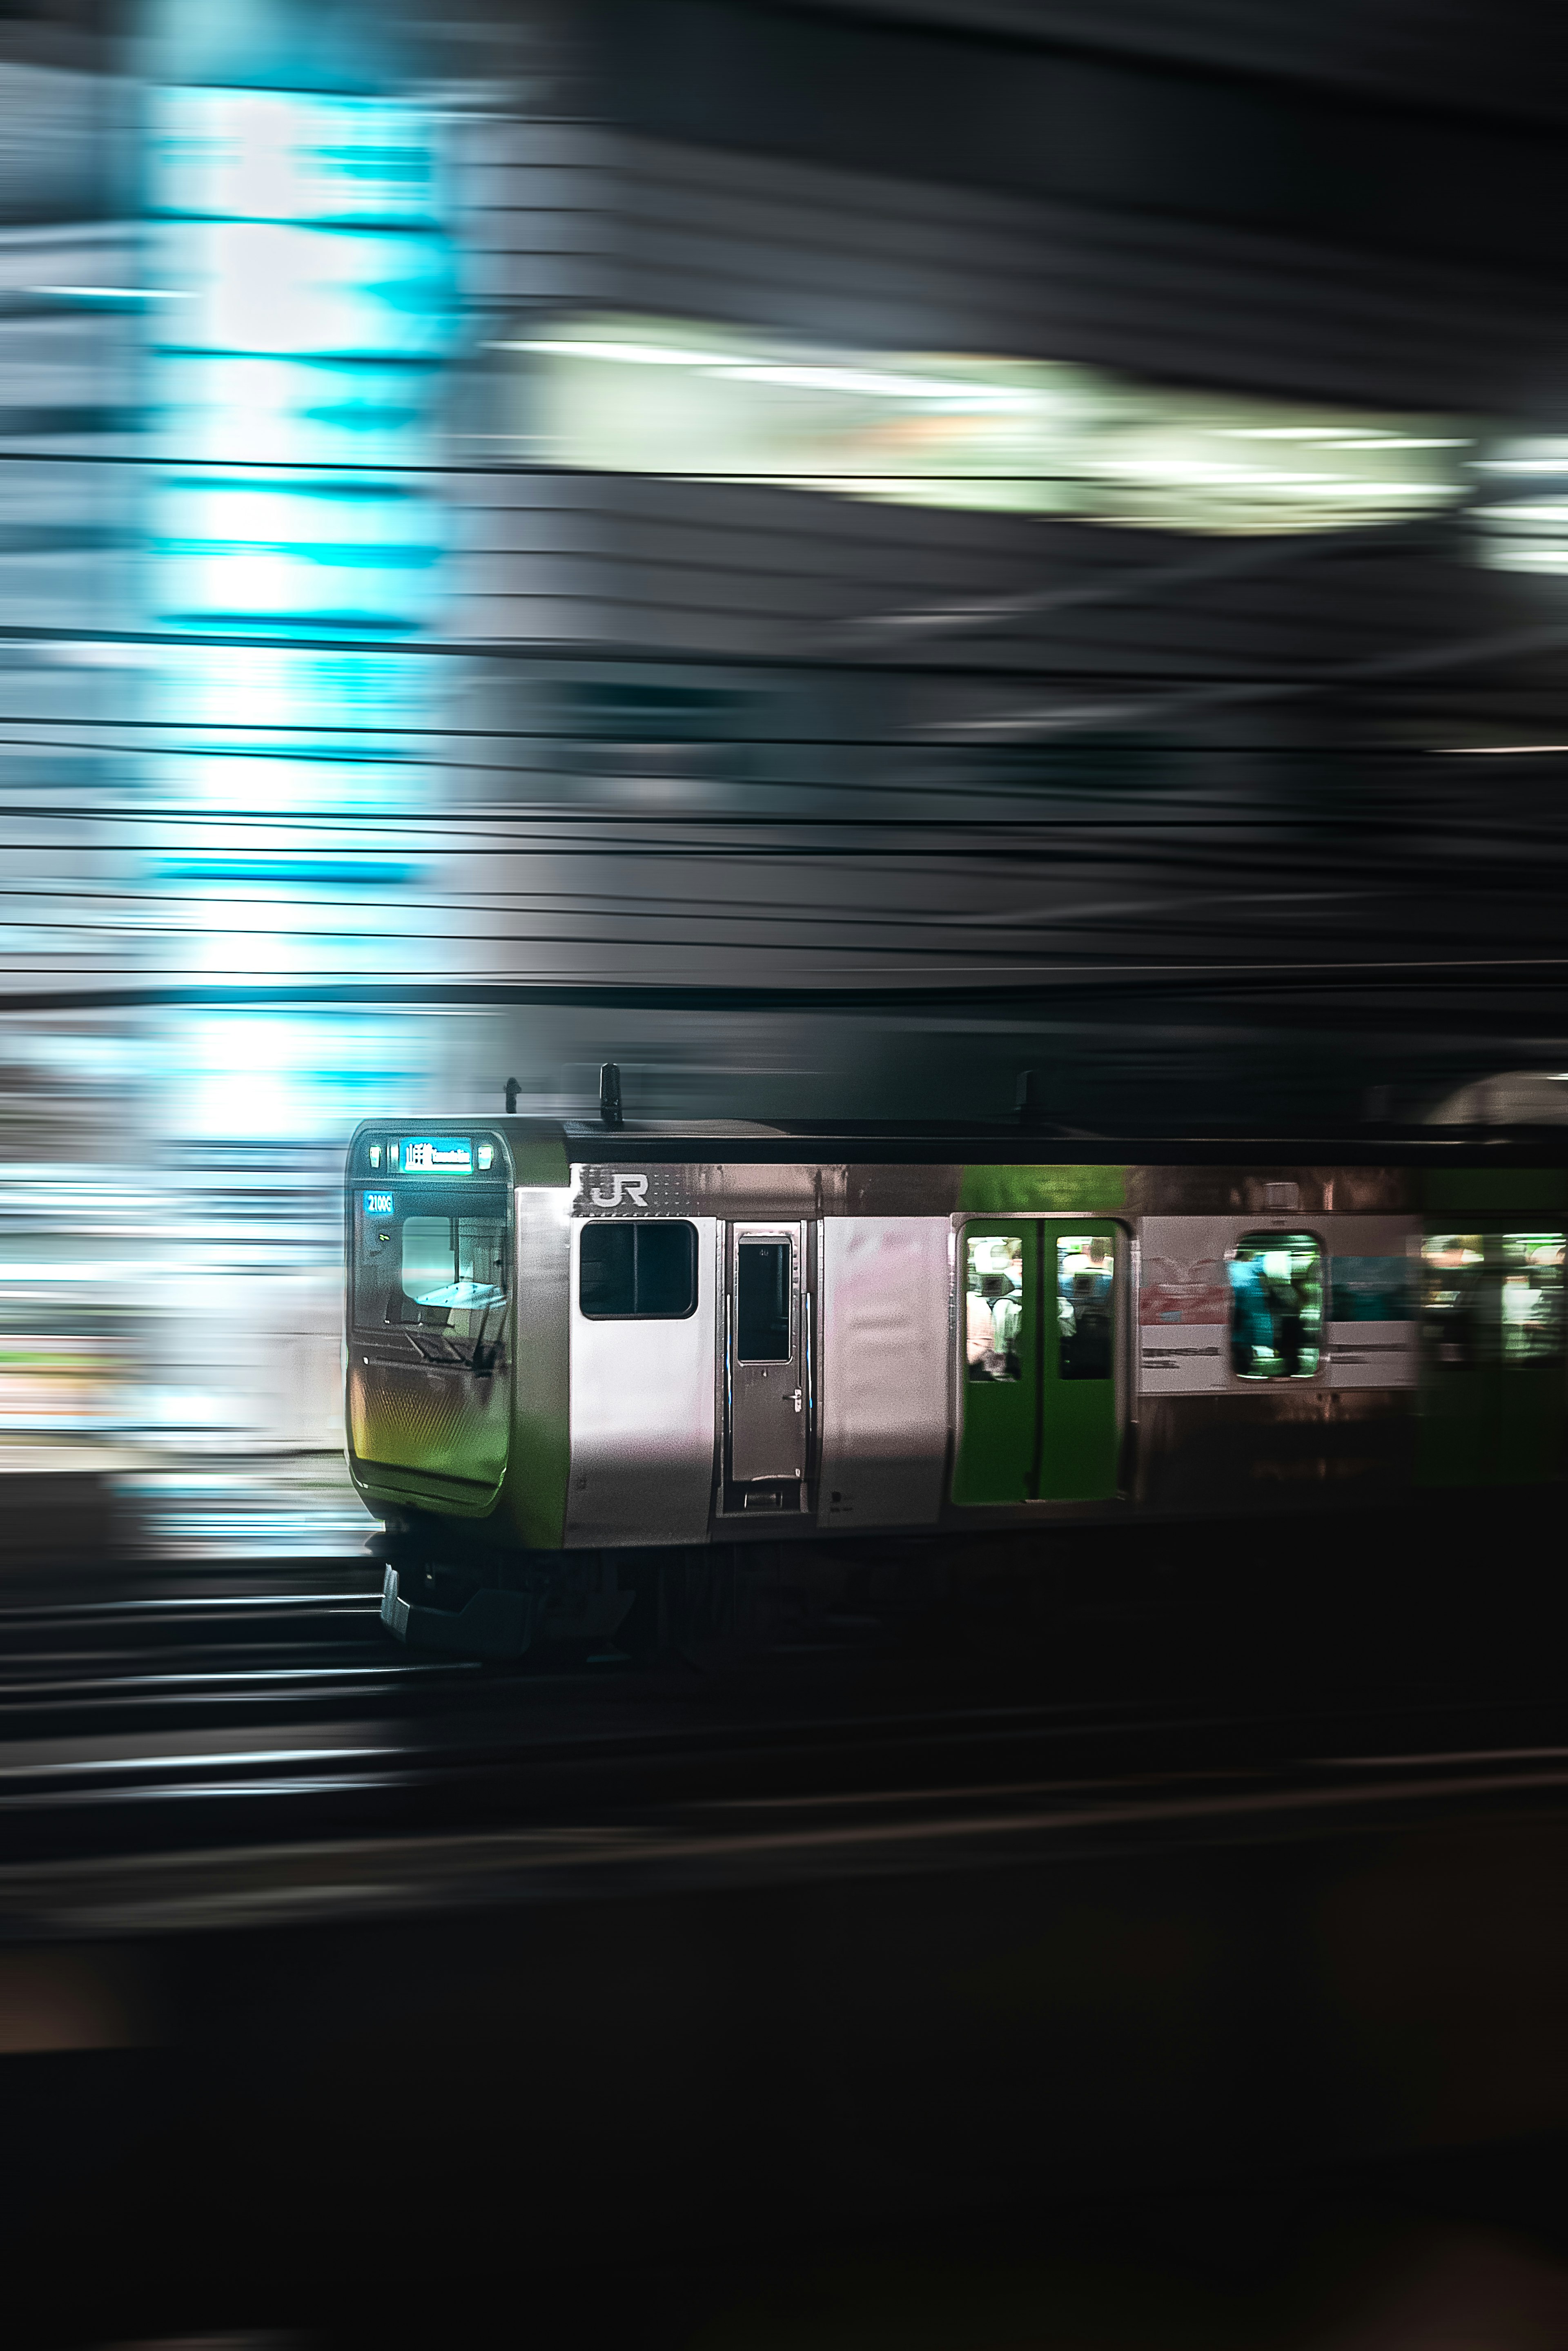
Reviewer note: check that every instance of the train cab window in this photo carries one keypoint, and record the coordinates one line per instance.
(1276, 1306)
(1086, 1271)
(431, 1263)
(995, 1306)
(763, 1301)
(453, 1268)
(437, 1262)
(637, 1272)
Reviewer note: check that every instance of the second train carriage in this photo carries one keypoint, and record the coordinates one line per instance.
(574, 1339)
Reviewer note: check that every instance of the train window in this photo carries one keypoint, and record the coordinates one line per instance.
(441, 1266)
(1453, 1296)
(993, 1306)
(636, 1271)
(1372, 1290)
(452, 1271)
(763, 1301)
(1276, 1306)
(1086, 1267)
(1532, 1298)
(1492, 1298)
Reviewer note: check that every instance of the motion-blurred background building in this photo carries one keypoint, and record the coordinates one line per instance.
(833, 555)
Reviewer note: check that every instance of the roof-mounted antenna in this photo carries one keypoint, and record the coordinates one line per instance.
(513, 1091)
(609, 1095)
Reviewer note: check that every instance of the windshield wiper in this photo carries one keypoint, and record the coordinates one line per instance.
(485, 1354)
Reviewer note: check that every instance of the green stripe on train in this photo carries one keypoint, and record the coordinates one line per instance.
(540, 1158)
(1049, 1191)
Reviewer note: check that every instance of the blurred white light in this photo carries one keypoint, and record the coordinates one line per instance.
(1286, 432)
(104, 294)
(271, 288)
(1536, 510)
(263, 155)
(630, 354)
(978, 432)
(852, 381)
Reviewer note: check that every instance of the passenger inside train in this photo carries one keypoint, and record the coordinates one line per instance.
(995, 1325)
(1276, 1297)
(1085, 1266)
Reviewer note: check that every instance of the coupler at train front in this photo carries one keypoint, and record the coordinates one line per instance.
(708, 1602)
(438, 1596)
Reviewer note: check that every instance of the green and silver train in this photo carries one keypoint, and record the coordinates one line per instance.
(567, 1344)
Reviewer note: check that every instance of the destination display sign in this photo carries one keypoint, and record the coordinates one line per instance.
(437, 1155)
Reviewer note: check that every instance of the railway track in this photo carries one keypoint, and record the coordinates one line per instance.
(223, 1732)
(668, 1843)
(283, 1907)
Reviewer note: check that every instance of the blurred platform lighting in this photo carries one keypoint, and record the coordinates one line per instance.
(294, 378)
(1523, 509)
(646, 395)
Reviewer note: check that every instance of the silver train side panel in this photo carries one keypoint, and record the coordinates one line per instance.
(884, 1377)
(643, 1417)
(1184, 1305)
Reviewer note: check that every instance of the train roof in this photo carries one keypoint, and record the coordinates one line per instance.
(892, 1143)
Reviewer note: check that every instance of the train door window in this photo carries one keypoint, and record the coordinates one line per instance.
(1276, 1306)
(637, 1272)
(994, 1311)
(1531, 1301)
(1086, 1271)
(1453, 1296)
(763, 1301)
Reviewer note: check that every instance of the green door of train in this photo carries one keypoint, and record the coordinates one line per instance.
(1492, 1374)
(1039, 1415)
